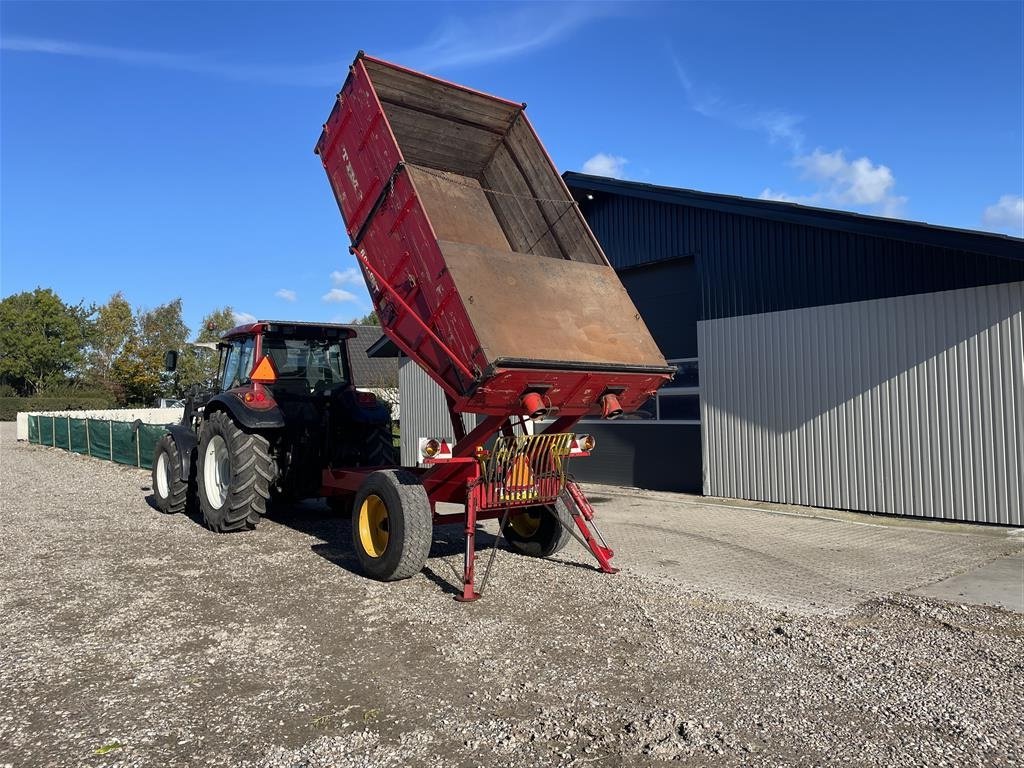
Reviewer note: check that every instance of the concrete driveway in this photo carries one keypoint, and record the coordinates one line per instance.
(807, 560)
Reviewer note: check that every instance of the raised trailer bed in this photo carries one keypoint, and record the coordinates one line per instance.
(484, 272)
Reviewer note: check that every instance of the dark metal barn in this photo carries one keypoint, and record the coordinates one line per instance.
(825, 358)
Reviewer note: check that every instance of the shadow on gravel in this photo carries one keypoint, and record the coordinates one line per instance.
(314, 518)
(191, 512)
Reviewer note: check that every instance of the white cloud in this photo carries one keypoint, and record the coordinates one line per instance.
(856, 182)
(844, 183)
(781, 197)
(241, 318)
(336, 295)
(603, 164)
(460, 41)
(286, 293)
(777, 125)
(1006, 215)
(317, 75)
(515, 30)
(348, 276)
(839, 182)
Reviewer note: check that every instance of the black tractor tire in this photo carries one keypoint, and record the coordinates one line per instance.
(171, 492)
(380, 449)
(392, 525)
(232, 496)
(536, 531)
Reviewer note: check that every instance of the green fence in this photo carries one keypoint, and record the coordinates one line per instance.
(123, 442)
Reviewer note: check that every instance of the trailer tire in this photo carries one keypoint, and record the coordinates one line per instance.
(234, 470)
(537, 531)
(171, 492)
(392, 525)
(380, 451)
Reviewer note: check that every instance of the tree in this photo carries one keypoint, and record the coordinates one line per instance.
(368, 319)
(41, 339)
(113, 328)
(197, 366)
(139, 368)
(216, 324)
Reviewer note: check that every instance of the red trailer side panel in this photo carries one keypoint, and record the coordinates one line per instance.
(478, 261)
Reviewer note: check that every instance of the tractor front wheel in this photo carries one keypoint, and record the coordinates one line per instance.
(170, 490)
(234, 472)
(392, 525)
(539, 531)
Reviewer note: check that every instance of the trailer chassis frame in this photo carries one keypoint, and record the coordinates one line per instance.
(458, 480)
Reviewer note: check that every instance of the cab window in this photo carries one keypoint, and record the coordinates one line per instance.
(310, 361)
(238, 363)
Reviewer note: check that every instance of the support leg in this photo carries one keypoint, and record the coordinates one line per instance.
(469, 593)
(582, 514)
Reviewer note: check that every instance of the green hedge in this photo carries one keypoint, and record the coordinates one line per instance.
(10, 406)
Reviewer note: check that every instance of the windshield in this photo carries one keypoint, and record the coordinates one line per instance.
(309, 360)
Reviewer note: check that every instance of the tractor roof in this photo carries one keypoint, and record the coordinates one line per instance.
(294, 328)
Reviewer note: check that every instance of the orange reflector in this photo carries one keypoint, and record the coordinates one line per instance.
(264, 372)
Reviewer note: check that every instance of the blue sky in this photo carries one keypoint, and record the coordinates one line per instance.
(166, 149)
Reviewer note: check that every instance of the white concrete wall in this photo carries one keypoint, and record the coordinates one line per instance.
(145, 415)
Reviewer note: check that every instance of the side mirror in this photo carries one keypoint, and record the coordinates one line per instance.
(170, 360)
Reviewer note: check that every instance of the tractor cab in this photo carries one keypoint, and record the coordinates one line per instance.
(297, 358)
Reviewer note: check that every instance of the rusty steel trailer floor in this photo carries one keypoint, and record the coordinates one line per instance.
(149, 639)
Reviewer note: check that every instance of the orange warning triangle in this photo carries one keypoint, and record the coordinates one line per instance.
(264, 372)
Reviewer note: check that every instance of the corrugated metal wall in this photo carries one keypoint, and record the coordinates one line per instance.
(749, 263)
(911, 405)
(424, 411)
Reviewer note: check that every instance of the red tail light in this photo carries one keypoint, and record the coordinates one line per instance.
(366, 399)
(256, 397)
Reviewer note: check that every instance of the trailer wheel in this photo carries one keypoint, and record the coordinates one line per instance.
(536, 531)
(234, 470)
(392, 525)
(170, 491)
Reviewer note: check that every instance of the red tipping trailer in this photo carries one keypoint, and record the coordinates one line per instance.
(484, 272)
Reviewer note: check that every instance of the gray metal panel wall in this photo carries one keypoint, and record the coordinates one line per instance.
(424, 411)
(911, 405)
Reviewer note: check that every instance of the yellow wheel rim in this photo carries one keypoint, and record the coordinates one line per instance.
(373, 526)
(526, 524)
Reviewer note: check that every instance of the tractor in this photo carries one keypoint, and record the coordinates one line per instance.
(283, 410)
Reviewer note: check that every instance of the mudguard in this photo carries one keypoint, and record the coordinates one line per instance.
(185, 440)
(249, 418)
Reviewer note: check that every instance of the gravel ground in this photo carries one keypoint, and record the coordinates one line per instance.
(128, 638)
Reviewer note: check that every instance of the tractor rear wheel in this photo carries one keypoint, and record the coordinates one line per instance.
(392, 525)
(170, 491)
(539, 531)
(234, 470)
(380, 450)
